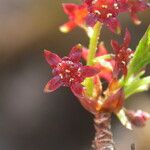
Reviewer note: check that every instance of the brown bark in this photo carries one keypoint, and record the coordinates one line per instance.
(103, 137)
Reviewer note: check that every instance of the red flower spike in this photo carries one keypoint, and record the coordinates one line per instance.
(68, 71)
(138, 118)
(123, 54)
(76, 14)
(135, 6)
(105, 11)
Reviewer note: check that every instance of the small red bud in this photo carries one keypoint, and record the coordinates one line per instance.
(138, 118)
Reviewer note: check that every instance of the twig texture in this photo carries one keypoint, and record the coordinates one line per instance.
(103, 137)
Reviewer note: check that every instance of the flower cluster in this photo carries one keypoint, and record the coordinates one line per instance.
(123, 54)
(107, 79)
(104, 11)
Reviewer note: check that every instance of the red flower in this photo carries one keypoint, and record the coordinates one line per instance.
(76, 14)
(138, 118)
(68, 71)
(105, 11)
(106, 66)
(134, 6)
(123, 54)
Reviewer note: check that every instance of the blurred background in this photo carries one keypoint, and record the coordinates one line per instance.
(32, 120)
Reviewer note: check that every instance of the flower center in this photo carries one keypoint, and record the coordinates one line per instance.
(69, 71)
(105, 9)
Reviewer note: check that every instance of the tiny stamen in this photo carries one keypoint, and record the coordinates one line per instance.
(68, 71)
(104, 6)
(109, 15)
(61, 76)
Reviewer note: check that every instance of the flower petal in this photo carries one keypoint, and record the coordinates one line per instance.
(115, 46)
(51, 58)
(127, 39)
(135, 19)
(53, 84)
(69, 8)
(114, 25)
(89, 71)
(77, 89)
(76, 53)
(67, 27)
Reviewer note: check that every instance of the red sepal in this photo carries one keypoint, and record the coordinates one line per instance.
(76, 53)
(53, 84)
(89, 71)
(114, 102)
(51, 58)
(77, 89)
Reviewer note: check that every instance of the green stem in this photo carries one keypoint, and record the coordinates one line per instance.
(92, 51)
(93, 43)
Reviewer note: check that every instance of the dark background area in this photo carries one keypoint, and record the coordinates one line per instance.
(31, 119)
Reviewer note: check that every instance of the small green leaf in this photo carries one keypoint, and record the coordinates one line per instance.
(136, 84)
(88, 82)
(141, 56)
(124, 119)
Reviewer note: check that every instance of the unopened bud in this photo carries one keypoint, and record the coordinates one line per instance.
(138, 118)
